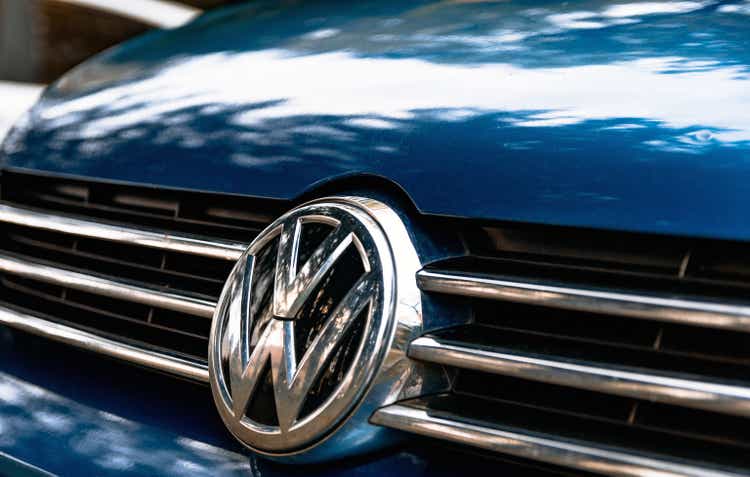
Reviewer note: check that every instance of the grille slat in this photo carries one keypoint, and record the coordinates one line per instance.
(694, 311)
(218, 216)
(45, 326)
(109, 318)
(67, 255)
(106, 286)
(634, 382)
(610, 353)
(137, 215)
(221, 249)
(81, 303)
(604, 341)
(433, 418)
(137, 265)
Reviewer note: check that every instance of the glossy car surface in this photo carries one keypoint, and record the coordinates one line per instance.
(567, 114)
(620, 116)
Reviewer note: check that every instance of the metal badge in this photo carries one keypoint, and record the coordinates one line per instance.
(309, 336)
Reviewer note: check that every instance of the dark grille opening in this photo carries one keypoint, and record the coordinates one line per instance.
(717, 350)
(725, 264)
(607, 409)
(194, 325)
(209, 216)
(669, 264)
(574, 402)
(115, 319)
(190, 274)
(708, 355)
(580, 248)
(209, 270)
(611, 356)
(544, 421)
(562, 311)
(204, 214)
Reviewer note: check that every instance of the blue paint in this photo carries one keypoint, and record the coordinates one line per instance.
(83, 414)
(608, 116)
(604, 116)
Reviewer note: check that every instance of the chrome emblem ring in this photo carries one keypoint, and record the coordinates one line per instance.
(306, 323)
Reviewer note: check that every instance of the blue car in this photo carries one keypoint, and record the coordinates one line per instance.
(386, 238)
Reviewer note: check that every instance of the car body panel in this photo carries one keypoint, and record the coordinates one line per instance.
(627, 116)
(621, 116)
(111, 418)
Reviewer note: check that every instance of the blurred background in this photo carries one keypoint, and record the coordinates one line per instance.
(42, 39)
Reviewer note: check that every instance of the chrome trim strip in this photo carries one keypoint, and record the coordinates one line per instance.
(637, 383)
(91, 342)
(678, 310)
(545, 448)
(108, 287)
(184, 243)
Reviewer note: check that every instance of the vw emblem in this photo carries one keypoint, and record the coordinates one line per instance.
(303, 336)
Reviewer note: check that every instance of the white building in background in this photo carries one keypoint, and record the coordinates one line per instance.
(40, 40)
(15, 99)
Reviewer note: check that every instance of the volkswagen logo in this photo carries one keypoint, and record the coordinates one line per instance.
(308, 336)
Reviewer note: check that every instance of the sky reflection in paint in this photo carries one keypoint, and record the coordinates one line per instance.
(562, 110)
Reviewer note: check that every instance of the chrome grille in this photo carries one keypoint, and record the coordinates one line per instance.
(121, 264)
(611, 353)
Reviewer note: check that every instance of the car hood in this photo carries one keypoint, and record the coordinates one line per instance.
(630, 115)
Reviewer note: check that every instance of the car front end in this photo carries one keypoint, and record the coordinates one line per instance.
(386, 238)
